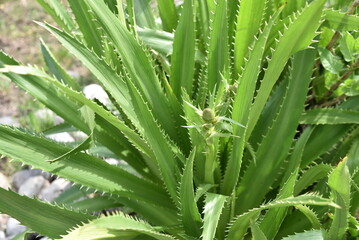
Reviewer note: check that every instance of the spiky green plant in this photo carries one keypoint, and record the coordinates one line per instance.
(210, 114)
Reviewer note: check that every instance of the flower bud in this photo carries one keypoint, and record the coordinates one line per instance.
(208, 115)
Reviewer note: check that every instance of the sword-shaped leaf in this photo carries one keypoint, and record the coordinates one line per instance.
(50, 220)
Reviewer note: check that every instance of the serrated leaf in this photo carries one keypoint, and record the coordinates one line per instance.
(330, 116)
(274, 217)
(310, 176)
(89, 28)
(71, 194)
(158, 141)
(154, 214)
(168, 14)
(56, 69)
(296, 37)
(214, 204)
(58, 13)
(182, 60)
(257, 232)
(332, 133)
(241, 223)
(80, 99)
(138, 66)
(310, 235)
(339, 183)
(340, 20)
(158, 40)
(190, 215)
(80, 168)
(311, 216)
(297, 154)
(274, 147)
(98, 67)
(218, 51)
(143, 14)
(353, 157)
(248, 24)
(242, 103)
(94, 204)
(269, 113)
(43, 218)
(162, 42)
(115, 227)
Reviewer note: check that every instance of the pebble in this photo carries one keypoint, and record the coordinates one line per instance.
(4, 182)
(61, 137)
(93, 91)
(2, 235)
(21, 176)
(32, 186)
(7, 120)
(55, 189)
(13, 227)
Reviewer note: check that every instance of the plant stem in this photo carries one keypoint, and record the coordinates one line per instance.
(345, 76)
(337, 33)
(331, 44)
(210, 164)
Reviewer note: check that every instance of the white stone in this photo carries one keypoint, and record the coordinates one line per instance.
(61, 137)
(38, 172)
(112, 161)
(21, 176)
(4, 182)
(93, 91)
(13, 227)
(55, 189)
(78, 135)
(7, 120)
(2, 235)
(3, 221)
(32, 186)
(73, 73)
(48, 114)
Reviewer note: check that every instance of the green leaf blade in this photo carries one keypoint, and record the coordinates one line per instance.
(115, 227)
(56, 69)
(191, 217)
(339, 182)
(242, 103)
(248, 25)
(330, 116)
(218, 55)
(168, 14)
(182, 60)
(44, 218)
(274, 147)
(80, 167)
(296, 37)
(212, 211)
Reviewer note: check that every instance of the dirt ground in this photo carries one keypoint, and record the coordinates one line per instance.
(20, 38)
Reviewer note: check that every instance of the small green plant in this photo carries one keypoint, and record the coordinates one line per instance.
(210, 116)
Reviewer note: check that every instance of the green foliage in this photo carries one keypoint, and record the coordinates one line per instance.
(210, 113)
